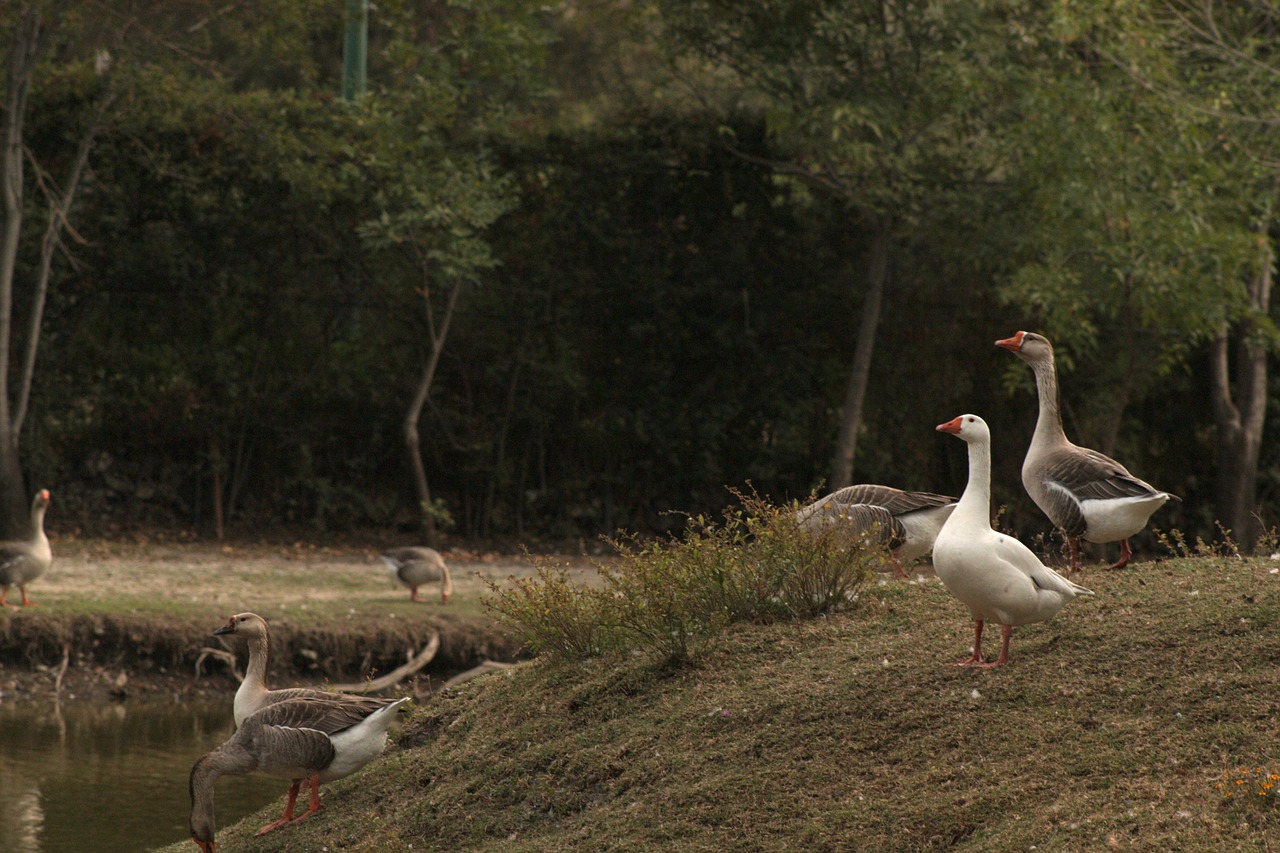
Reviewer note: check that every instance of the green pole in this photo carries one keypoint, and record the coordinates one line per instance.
(355, 49)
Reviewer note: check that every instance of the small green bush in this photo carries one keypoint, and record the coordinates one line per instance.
(554, 615)
(666, 598)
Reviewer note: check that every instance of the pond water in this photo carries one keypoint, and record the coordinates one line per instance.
(112, 777)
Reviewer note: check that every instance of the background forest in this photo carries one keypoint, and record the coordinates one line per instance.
(549, 270)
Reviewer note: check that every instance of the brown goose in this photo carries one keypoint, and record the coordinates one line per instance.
(23, 562)
(1085, 494)
(316, 740)
(905, 523)
(414, 567)
(253, 694)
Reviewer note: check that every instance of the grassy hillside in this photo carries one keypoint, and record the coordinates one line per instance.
(1112, 728)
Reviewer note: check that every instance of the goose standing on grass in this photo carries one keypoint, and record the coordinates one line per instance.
(414, 567)
(905, 523)
(316, 740)
(23, 561)
(253, 694)
(1085, 494)
(996, 576)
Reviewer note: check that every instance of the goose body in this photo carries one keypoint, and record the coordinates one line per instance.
(317, 740)
(1086, 494)
(997, 577)
(253, 694)
(415, 567)
(905, 523)
(23, 561)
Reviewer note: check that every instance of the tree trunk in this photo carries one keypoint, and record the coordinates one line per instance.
(22, 57)
(413, 415)
(851, 413)
(1240, 416)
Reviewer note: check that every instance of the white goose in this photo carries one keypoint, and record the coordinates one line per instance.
(253, 694)
(23, 561)
(906, 523)
(996, 576)
(1085, 494)
(414, 567)
(313, 739)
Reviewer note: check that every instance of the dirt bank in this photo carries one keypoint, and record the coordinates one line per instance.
(127, 619)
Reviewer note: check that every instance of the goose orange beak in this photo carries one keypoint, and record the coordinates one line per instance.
(952, 426)
(1012, 344)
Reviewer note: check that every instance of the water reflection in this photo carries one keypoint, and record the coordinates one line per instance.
(111, 777)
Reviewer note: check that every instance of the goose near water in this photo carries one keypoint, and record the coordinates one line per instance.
(997, 577)
(414, 567)
(905, 523)
(23, 561)
(253, 694)
(1086, 494)
(316, 740)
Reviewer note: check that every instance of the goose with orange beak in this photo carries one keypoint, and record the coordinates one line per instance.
(1086, 494)
(997, 577)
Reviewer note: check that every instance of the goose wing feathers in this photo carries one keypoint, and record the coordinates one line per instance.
(1090, 475)
(873, 523)
(1024, 560)
(896, 501)
(1073, 475)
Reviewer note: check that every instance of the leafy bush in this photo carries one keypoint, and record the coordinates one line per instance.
(666, 598)
(552, 614)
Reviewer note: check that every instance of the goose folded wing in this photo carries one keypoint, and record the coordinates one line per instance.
(1092, 476)
(1024, 560)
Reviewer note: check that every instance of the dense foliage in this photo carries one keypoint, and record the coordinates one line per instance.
(658, 224)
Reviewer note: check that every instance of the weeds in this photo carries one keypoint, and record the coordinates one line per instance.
(666, 598)
(1175, 542)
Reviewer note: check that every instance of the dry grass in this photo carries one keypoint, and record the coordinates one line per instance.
(1111, 729)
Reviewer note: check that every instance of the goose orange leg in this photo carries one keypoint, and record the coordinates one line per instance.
(1074, 546)
(288, 809)
(1125, 554)
(315, 805)
(4, 594)
(1003, 658)
(976, 658)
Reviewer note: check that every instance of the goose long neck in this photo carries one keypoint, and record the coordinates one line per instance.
(226, 759)
(1049, 422)
(37, 524)
(975, 503)
(259, 661)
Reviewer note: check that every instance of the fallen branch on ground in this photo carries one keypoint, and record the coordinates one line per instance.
(475, 671)
(397, 675)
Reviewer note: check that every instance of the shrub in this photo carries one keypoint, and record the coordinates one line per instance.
(666, 598)
(553, 615)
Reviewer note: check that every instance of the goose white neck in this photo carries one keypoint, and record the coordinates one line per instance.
(975, 503)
